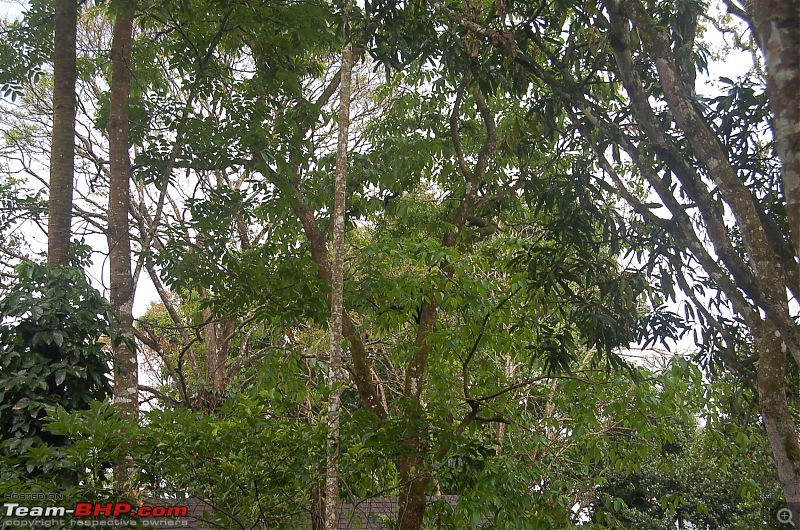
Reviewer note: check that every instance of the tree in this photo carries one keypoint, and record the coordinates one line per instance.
(502, 244)
(337, 376)
(777, 27)
(407, 185)
(693, 160)
(62, 153)
(118, 234)
(52, 356)
(430, 197)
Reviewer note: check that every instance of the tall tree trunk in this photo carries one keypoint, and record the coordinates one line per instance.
(777, 23)
(413, 480)
(778, 421)
(119, 243)
(754, 286)
(412, 502)
(62, 150)
(336, 376)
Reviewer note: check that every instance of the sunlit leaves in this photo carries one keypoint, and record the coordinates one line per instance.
(26, 47)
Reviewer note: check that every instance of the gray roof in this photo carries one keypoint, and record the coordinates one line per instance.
(369, 514)
(365, 514)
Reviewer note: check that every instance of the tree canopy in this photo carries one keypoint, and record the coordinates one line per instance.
(531, 191)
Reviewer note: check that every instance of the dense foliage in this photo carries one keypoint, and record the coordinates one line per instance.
(535, 191)
(53, 356)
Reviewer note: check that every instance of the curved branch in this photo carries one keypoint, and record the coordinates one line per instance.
(178, 143)
(454, 115)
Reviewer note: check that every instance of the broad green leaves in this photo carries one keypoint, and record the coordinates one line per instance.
(52, 354)
(539, 276)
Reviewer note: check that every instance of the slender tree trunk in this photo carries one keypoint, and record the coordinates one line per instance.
(775, 413)
(509, 367)
(62, 150)
(318, 506)
(336, 376)
(119, 244)
(777, 23)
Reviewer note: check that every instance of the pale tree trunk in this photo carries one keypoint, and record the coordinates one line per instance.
(62, 150)
(777, 23)
(508, 372)
(755, 286)
(119, 244)
(336, 376)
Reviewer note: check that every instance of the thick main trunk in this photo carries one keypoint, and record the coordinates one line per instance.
(414, 479)
(119, 244)
(62, 150)
(217, 335)
(778, 420)
(412, 499)
(777, 23)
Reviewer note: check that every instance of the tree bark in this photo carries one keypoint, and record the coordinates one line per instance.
(767, 270)
(777, 23)
(62, 150)
(337, 376)
(119, 244)
(754, 286)
(509, 368)
(412, 500)
(778, 421)
(317, 506)
(217, 335)
(414, 479)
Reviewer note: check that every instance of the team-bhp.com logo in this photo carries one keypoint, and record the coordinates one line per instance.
(95, 509)
(87, 514)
